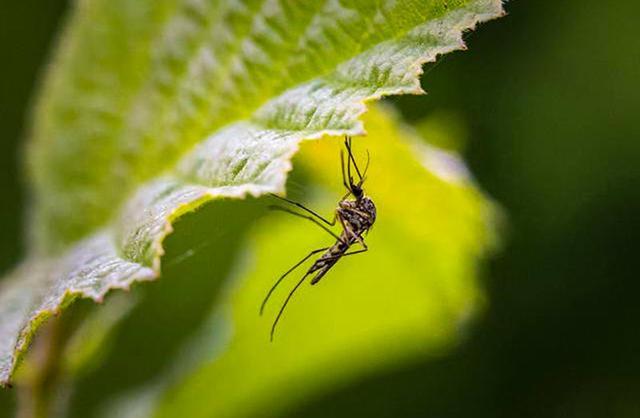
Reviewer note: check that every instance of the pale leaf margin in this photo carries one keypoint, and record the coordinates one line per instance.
(250, 157)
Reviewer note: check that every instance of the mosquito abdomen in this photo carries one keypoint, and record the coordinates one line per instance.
(327, 260)
(320, 274)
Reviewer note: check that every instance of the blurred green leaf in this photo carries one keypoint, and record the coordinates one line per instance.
(444, 129)
(153, 108)
(411, 295)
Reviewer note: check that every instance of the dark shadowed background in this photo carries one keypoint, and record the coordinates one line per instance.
(549, 97)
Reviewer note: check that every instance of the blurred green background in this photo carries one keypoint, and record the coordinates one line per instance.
(549, 98)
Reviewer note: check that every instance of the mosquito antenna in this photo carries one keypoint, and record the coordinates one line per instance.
(284, 305)
(352, 158)
(366, 168)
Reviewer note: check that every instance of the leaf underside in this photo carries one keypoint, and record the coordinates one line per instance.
(152, 108)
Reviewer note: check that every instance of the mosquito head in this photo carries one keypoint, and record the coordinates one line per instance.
(357, 191)
(354, 187)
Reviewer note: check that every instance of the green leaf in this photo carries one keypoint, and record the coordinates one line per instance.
(152, 108)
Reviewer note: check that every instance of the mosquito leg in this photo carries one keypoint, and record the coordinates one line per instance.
(284, 305)
(312, 219)
(301, 206)
(361, 241)
(264, 302)
(364, 250)
(350, 232)
(357, 237)
(319, 276)
(346, 195)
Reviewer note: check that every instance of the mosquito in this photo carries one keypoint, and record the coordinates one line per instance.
(356, 214)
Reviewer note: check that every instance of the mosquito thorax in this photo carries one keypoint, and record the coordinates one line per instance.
(359, 213)
(367, 206)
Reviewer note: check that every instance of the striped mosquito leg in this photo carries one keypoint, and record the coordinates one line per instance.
(284, 305)
(303, 216)
(264, 302)
(306, 209)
